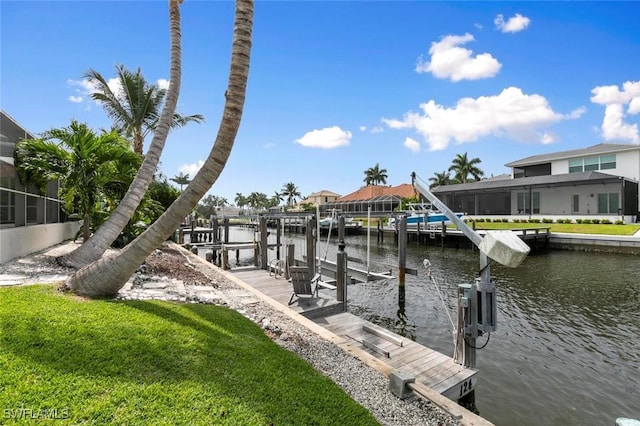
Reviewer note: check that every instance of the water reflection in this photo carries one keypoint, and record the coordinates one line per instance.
(566, 350)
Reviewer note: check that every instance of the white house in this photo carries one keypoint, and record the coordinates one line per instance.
(29, 221)
(600, 181)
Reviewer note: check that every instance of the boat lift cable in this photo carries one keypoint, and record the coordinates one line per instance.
(427, 264)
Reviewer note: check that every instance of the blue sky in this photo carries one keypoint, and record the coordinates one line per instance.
(336, 87)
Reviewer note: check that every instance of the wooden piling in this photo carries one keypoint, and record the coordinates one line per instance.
(311, 245)
(402, 250)
(263, 244)
(341, 275)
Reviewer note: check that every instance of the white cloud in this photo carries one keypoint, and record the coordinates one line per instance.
(449, 60)
(377, 129)
(513, 25)
(363, 128)
(548, 138)
(412, 145)
(327, 138)
(614, 125)
(269, 145)
(75, 99)
(163, 83)
(511, 114)
(191, 169)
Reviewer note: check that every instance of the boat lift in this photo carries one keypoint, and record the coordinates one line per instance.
(477, 304)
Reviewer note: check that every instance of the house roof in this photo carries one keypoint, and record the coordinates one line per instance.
(601, 148)
(323, 193)
(582, 178)
(370, 192)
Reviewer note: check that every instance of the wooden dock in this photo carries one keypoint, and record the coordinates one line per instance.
(393, 352)
(431, 368)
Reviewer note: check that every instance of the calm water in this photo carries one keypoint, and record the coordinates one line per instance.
(567, 347)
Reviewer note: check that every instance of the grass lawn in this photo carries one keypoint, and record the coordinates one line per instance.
(153, 363)
(575, 228)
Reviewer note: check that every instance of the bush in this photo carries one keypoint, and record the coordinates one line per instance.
(547, 220)
(586, 221)
(619, 222)
(605, 221)
(504, 220)
(534, 220)
(596, 221)
(480, 219)
(578, 220)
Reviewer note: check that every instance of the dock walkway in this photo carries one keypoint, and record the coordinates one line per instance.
(391, 351)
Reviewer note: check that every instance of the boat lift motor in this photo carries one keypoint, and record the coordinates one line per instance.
(480, 312)
(487, 305)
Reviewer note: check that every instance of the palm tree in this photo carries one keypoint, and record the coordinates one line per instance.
(290, 192)
(107, 275)
(375, 175)
(86, 164)
(240, 200)
(109, 230)
(439, 179)
(257, 200)
(462, 167)
(181, 179)
(135, 109)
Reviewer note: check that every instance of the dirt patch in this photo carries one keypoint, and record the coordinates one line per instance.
(170, 262)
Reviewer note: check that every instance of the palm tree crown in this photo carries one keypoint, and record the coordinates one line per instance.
(181, 179)
(135, 106)
(439, 179)
(462, 167)
(290, 193)
(375, 175)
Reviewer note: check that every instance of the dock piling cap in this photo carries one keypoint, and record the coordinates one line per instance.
(504, 247)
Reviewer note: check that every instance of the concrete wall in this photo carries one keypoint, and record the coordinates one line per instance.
(24, 240)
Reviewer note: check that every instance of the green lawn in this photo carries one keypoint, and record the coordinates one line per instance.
(579, 228)
(139, 362)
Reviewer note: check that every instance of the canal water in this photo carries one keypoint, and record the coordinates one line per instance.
(567, 346)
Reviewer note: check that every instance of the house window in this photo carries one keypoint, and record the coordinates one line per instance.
(591, 163)
(603, 162)
(576, 203)
(575, 166)
(524, 203)
(608, 203)
(608, 162)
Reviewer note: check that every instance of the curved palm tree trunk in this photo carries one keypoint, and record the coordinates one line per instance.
(94, 247)
(107, 275)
